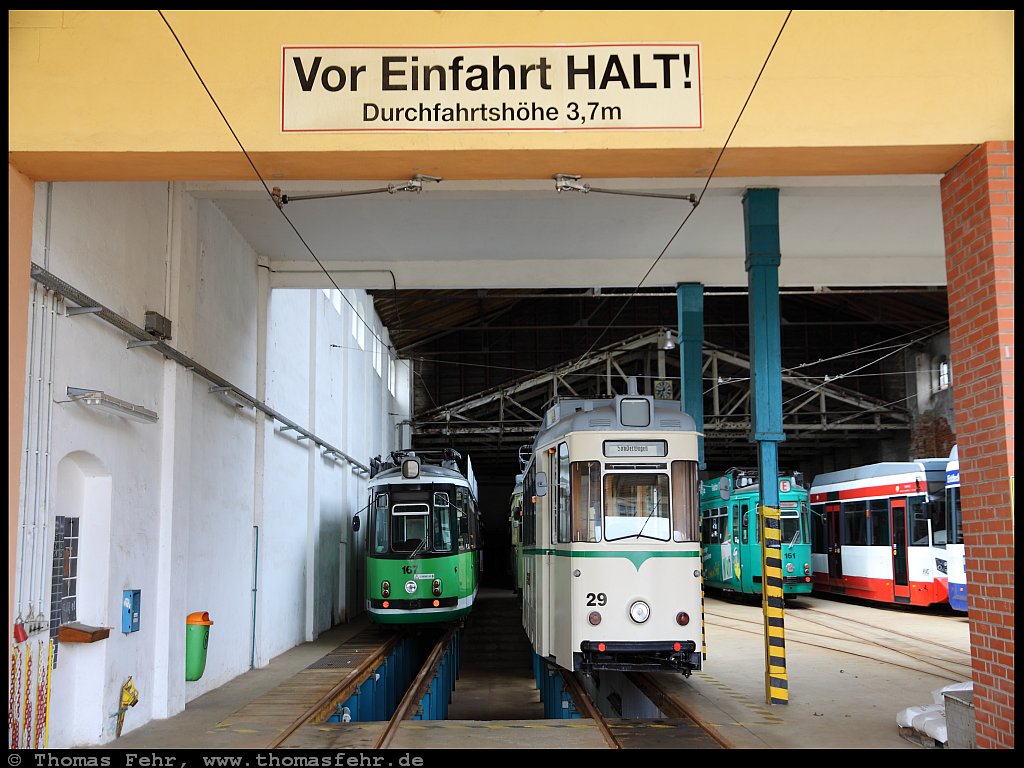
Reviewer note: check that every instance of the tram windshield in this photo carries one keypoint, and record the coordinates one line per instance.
(792, 528)
(636, 504)
(413, 522)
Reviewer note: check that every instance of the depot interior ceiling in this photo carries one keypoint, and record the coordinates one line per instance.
(488, 362)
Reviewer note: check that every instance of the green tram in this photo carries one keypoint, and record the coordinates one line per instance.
(515, 521)
(423, 558)
(731, 533)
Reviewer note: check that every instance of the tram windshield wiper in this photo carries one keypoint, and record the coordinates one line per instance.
(646, 520)
(654, 508)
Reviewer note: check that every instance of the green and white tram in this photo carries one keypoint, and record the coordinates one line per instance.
(731, 533)
(423, 538)
(610, 536)
(515, 521)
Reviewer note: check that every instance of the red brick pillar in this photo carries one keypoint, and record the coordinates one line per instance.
(977, 212)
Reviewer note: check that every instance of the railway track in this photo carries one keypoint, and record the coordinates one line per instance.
(873, 633)
(415, 724)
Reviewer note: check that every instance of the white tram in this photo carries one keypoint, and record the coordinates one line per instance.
(955, 554)
(878, 532)
(611, 537)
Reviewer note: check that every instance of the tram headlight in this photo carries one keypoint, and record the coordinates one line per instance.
(639, 611)
(790, 567)
(385, 588)
(436, 587)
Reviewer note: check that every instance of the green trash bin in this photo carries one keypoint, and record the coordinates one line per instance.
(197, 640)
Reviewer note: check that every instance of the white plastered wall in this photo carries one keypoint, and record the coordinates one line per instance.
(187, 495)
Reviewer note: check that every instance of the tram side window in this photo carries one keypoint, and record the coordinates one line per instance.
(818, 528)
(586, 501)
(705, 525)
(462, 507)
(878, 522)
(855, 524)
(921, 514)
(441, 518)
(735, 516)
(379, 523)
(714, 525)
(563, 497)
(745, 512)
(954, 517)
(529, 534)
(685, 501)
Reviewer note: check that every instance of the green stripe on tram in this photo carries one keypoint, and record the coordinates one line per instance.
(636, 558)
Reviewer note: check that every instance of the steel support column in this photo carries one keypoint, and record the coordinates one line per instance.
(690, 304)
(761, 219)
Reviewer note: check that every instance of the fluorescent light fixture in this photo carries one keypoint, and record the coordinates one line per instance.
(101, 401)
(235, 397)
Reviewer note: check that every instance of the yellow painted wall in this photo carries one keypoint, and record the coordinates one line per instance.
(917, 87)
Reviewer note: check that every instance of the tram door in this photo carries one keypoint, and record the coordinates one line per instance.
(900, 582)
(833, 540)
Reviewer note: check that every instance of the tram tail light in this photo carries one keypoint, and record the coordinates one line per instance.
(677, 647)
(436, 585)
(682, 618)
(437, 603)
(386, 604)
(594, 618)
(385, 588)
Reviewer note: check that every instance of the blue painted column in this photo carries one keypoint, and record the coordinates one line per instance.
(761, 217)
(690, 305)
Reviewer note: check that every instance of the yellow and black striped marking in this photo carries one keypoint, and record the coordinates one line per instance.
(703, 627)
(772, 603)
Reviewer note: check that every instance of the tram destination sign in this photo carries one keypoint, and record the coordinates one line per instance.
(584, 87)
(619, 449)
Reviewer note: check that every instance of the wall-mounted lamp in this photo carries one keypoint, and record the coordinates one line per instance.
(101, 401)
(666, 340)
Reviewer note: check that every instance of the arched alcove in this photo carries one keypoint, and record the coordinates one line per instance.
(81, 568)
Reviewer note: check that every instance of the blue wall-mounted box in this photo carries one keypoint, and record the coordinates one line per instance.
(130, 610)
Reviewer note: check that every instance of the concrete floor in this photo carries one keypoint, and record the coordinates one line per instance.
(838, 700)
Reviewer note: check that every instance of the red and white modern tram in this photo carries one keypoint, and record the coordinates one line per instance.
(876, 532)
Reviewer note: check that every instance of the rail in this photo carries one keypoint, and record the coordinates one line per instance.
(323, 707)
(417, 689)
